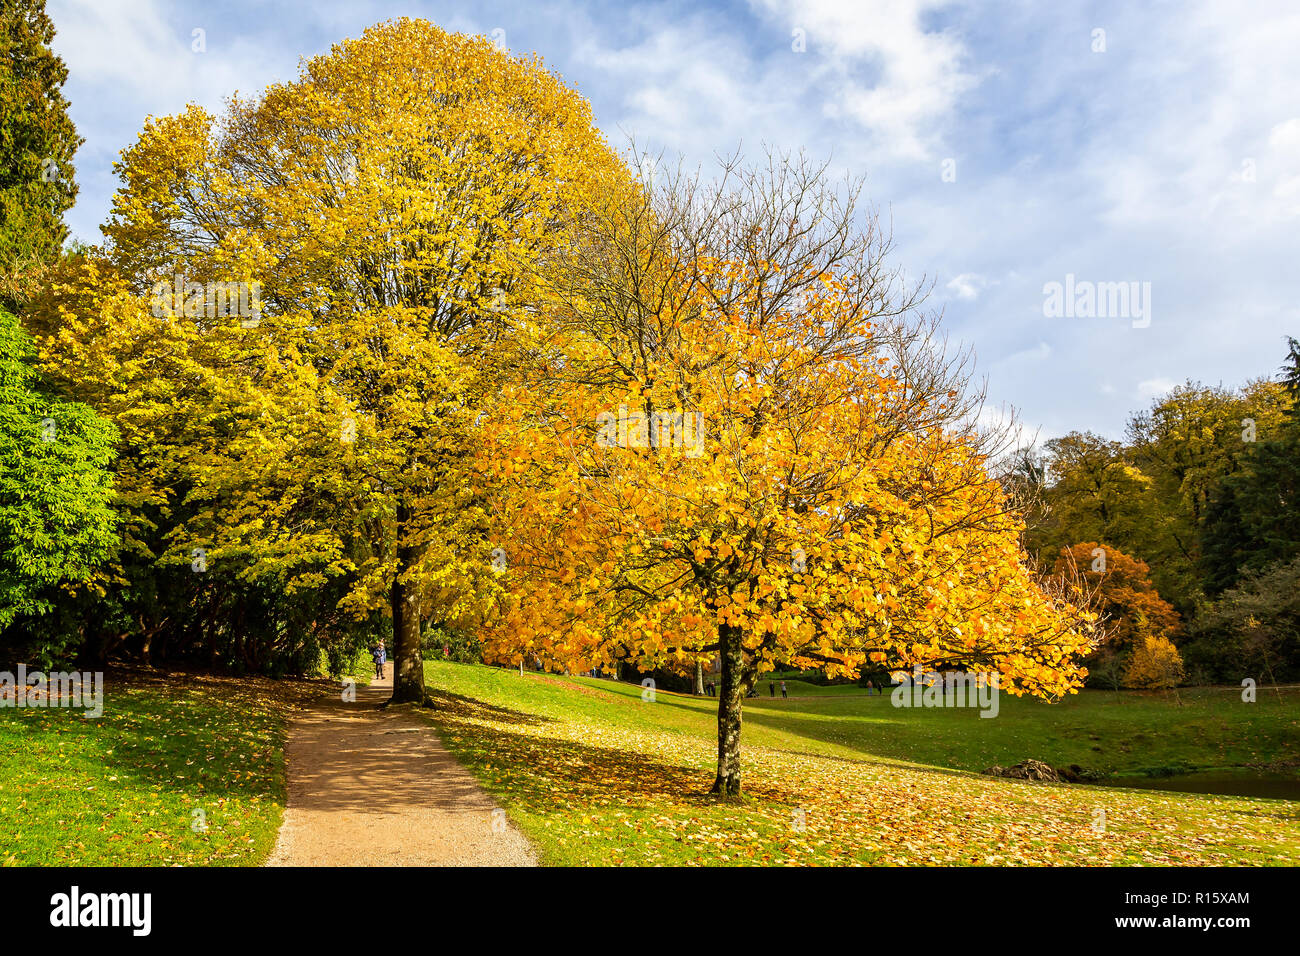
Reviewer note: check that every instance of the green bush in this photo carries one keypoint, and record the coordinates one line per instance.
(446, 643)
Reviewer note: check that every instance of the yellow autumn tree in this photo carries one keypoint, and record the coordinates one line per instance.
(1155, 664)
(735, 436)
(385, 213)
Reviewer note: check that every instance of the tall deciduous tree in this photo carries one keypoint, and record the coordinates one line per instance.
(1189, 443)
(1121, 588)
(738, 438)
(389, 207)
(1093, 492)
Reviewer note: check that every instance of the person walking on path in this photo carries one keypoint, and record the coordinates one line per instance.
(380, 656)
(783, 693)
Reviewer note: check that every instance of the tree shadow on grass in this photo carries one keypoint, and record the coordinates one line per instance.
(462, 708)
(194, 738)
(883, 752)
(541, 771)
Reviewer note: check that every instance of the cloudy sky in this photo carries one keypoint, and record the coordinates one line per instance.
(1011, 144)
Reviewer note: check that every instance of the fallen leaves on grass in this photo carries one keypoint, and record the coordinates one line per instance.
(590, 791)
(124, 788)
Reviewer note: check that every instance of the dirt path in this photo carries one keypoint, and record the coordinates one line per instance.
(376, 788)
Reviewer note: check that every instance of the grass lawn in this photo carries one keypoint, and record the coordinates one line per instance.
(1109, 732)
(594, 775)
(123, 789)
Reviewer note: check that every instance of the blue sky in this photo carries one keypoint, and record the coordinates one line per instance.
(1164, 150)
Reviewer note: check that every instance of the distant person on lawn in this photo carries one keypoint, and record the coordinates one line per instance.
(783, 693)
(771, 689)
(381, 658)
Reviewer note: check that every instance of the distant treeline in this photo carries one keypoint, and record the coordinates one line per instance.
(1188, 529)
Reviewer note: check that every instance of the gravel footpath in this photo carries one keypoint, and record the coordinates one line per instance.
(370, 787)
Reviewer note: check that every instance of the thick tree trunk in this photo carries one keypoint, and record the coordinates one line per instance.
(699, 677)
(731, 696)
(408, 661)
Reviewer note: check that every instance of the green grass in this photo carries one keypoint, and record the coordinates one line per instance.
(126, 788)
(1104, 731)
(595, 775)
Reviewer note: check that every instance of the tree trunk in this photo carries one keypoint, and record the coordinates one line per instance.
(699, 677)
(731, 696)
(408, 661)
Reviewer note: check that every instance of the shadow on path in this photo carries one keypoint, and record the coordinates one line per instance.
(371, 787)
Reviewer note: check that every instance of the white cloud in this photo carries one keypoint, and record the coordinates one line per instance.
(918, 74)
(1176, 155)
(968, 285)
(144, 52)
(691, 87)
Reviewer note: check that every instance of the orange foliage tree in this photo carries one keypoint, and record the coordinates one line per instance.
(733, 436)
(1120, 590)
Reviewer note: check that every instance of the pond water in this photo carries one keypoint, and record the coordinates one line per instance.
(1273, 787)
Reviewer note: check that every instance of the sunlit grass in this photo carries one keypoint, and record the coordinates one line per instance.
(181, 770)
(594, 774)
